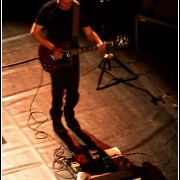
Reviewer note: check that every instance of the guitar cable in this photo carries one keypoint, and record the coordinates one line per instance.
(57, 165)
(31, 115)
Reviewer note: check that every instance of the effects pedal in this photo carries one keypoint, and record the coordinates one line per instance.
(94, 154)
(81, 159)
(76, 167)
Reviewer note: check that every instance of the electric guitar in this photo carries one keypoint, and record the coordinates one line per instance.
(50, 64)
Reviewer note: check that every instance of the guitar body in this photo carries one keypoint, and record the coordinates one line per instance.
(47, 60)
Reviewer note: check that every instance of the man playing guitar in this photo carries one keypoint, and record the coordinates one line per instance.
(58, 17)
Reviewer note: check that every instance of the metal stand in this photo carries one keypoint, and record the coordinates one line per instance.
(105, 65)
(105, 61)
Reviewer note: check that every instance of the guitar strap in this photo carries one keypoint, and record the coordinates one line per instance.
(75, 30)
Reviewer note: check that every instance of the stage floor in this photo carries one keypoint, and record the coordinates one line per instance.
(134, 109)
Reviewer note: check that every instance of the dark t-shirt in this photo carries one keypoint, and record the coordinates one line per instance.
(58, 22)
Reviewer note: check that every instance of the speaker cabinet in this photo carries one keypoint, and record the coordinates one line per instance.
(163, 8)
(156, 37)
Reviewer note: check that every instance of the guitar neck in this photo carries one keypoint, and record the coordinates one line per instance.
(83, 49)
(86, 48)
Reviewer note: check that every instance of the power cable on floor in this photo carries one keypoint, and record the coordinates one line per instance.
(164, 94)
(59, 164)
(165, 164)
(21, 62)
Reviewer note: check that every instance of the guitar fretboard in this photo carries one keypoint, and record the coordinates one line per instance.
(83, 49)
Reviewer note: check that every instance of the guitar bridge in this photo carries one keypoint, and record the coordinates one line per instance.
(68, 54)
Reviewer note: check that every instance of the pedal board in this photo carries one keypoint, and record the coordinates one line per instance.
(93, 162)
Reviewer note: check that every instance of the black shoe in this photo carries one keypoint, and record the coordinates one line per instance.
(73, 124)
(60, 131)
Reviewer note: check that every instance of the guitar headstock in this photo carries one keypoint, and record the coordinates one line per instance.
(121, 41)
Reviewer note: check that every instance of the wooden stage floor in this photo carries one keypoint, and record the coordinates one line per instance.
(134, 109)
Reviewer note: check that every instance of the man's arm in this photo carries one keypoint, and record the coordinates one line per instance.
(35, 32)
(93, 37)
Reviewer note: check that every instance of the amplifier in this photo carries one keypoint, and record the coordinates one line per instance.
(156, 37)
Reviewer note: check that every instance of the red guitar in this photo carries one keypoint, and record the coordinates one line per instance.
(50, 64)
